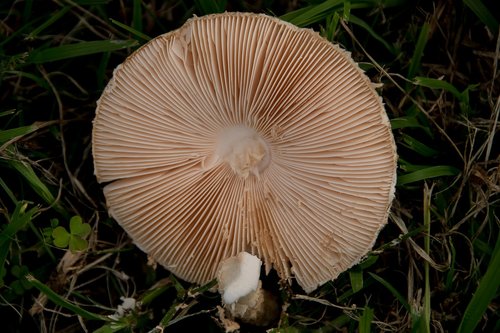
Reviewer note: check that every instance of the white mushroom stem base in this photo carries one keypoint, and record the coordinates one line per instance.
(259, 308)
(244, 150)
(242, 292)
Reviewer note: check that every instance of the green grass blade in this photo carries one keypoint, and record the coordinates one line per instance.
(12, 133)
(359, 22)
(438, 84)
(27, 172)
(7, 113)
(368, 261)
(115, 326)
(406, 122)
(167, 318)
(24, 30)
(393, 290)
(137, 15)
(315, 13)
(78, 49)
(418, 147)
(205, 287)
(131, 30)
(415, 61)
(210, 6)
(17, 221)
(340, 321)
(332, 23)
(430, 172)
(349, 292)
(31, 177)
(58, 300)
(356, 277)
(292, 16)
(483, 14)
(51, 20)
(409, 167)
(158, 290)
(347, 10)
(101, 71)
(365, 322)
(8, 191)
(27, 10)
(485, 292)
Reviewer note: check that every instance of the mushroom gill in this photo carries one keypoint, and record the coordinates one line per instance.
(241, 132)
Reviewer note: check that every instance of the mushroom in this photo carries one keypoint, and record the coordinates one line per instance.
(241, 132)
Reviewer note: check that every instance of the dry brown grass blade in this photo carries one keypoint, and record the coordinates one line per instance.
(77, 185)
(417, 248)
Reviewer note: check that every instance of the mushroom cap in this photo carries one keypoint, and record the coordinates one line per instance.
(241, 132)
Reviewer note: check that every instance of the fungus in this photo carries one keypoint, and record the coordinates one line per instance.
(241, 132)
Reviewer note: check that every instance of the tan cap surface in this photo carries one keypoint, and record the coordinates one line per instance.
(240, 132)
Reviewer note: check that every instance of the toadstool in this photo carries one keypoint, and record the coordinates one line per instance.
(241, 132)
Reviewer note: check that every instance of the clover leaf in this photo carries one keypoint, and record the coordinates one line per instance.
(61, 237)
(78, 228)
(75, 238)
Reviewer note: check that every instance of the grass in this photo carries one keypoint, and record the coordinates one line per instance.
(435, 266)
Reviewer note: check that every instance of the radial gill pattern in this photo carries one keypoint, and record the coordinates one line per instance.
(240, 132)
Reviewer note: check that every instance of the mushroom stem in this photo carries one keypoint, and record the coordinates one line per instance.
(260, 307)
(242, 292)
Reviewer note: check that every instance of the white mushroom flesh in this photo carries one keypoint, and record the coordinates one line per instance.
(238, 276)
